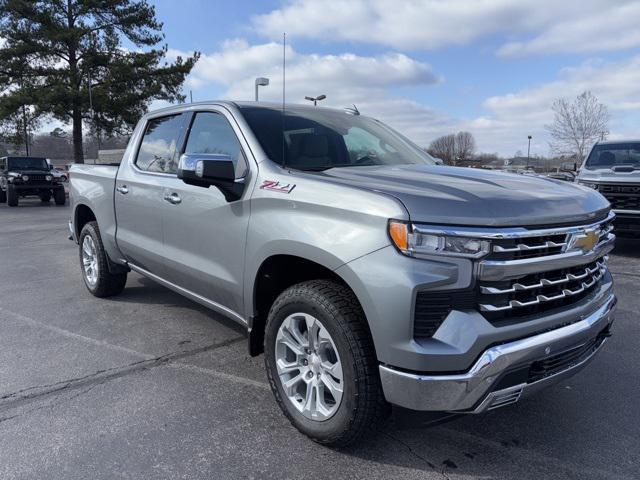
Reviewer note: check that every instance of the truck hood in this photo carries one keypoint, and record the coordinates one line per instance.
(606, 175)
(466, 196)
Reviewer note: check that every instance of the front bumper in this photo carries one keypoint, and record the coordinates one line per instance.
(36, 186)
(500, 375)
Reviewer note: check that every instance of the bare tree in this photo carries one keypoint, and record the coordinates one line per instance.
(453, 148)
(445, 148)
(465, 146)
(577, 124)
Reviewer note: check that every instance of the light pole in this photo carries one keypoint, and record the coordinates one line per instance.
(528, 150)
(315, 100)
(261, 82)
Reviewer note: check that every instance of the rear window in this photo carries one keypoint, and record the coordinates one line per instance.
(159, 145)
(614, 154)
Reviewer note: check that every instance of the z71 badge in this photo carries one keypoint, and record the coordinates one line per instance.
(276, 186)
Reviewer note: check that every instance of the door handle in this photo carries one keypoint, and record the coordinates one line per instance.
(122, 189)
(172, 198)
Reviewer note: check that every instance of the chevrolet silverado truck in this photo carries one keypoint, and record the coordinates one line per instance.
(366, 274)
(29, 176)
(613, 169)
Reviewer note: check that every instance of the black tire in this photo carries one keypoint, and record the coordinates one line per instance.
(45, 197)
(59, 196)
(108, 284)
(12, 196)
(363, 406)
(3, 196)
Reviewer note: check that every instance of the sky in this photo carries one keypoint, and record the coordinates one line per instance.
(427, 68)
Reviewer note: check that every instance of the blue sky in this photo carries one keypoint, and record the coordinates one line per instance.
(430, 67)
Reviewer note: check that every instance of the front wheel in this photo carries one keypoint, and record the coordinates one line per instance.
(59, 196)
(3, 196)
(321, 363)
(95, 264)
(12, 196)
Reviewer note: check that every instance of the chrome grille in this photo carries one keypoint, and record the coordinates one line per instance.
(541, 288)
(538, 244)
(621, 197)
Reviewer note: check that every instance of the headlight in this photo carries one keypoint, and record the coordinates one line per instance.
(25, 178)
(588, 184)
(48, 178)
(413, 241)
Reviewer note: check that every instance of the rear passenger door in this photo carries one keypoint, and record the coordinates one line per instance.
(139, 192)
(204, 234)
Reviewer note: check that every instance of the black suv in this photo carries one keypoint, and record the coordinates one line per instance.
(28, 176)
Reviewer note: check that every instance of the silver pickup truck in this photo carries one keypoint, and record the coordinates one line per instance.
(613, 169)
(367, 275)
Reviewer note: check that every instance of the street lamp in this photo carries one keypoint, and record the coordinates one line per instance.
(315, 100)
(261, 82)
(528, 150)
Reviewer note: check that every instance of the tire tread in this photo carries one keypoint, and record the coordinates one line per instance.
(371, 407)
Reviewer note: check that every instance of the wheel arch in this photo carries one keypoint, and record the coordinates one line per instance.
(82, 215)
(275, 274)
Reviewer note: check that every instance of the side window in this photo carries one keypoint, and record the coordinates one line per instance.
(3, 162)
(211, 133)
(157, 151)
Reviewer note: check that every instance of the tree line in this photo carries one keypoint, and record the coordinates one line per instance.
(66, 60)
(577, 124)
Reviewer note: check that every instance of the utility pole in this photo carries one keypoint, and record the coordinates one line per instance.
(528, 150)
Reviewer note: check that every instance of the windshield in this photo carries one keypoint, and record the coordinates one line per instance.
(610, 155)
(319, 139)
(26, 163)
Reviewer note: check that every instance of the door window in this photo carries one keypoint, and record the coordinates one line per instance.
(158, 149)
(211, 133)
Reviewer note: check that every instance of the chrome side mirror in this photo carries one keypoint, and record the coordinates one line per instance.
(206, 169)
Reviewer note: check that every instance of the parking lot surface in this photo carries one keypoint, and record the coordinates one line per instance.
(151, 385)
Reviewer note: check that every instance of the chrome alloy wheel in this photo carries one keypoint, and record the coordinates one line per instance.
(90, 260)
(309, 366)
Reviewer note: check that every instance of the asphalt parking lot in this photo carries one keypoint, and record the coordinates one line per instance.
(151, 385)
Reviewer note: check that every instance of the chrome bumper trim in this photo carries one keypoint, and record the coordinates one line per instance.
(471, 392)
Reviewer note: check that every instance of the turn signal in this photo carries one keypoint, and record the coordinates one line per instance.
(399, 234)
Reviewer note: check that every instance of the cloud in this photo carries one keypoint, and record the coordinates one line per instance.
(368, 82)
(346, 79)
(566, 26)
(614, 28)
(510, 118)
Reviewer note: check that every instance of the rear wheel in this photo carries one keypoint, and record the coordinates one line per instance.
(95, 264)
(60, 196)
(12, 196)
(321, 363)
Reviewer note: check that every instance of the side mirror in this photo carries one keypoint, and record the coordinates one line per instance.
(206, 169)
(439, 161)
(568, 167)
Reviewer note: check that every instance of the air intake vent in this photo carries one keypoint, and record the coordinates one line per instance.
(433, 307)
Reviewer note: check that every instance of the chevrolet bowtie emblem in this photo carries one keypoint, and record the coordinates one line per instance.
(586, 241)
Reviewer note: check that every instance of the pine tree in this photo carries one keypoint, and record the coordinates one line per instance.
(60, 57)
